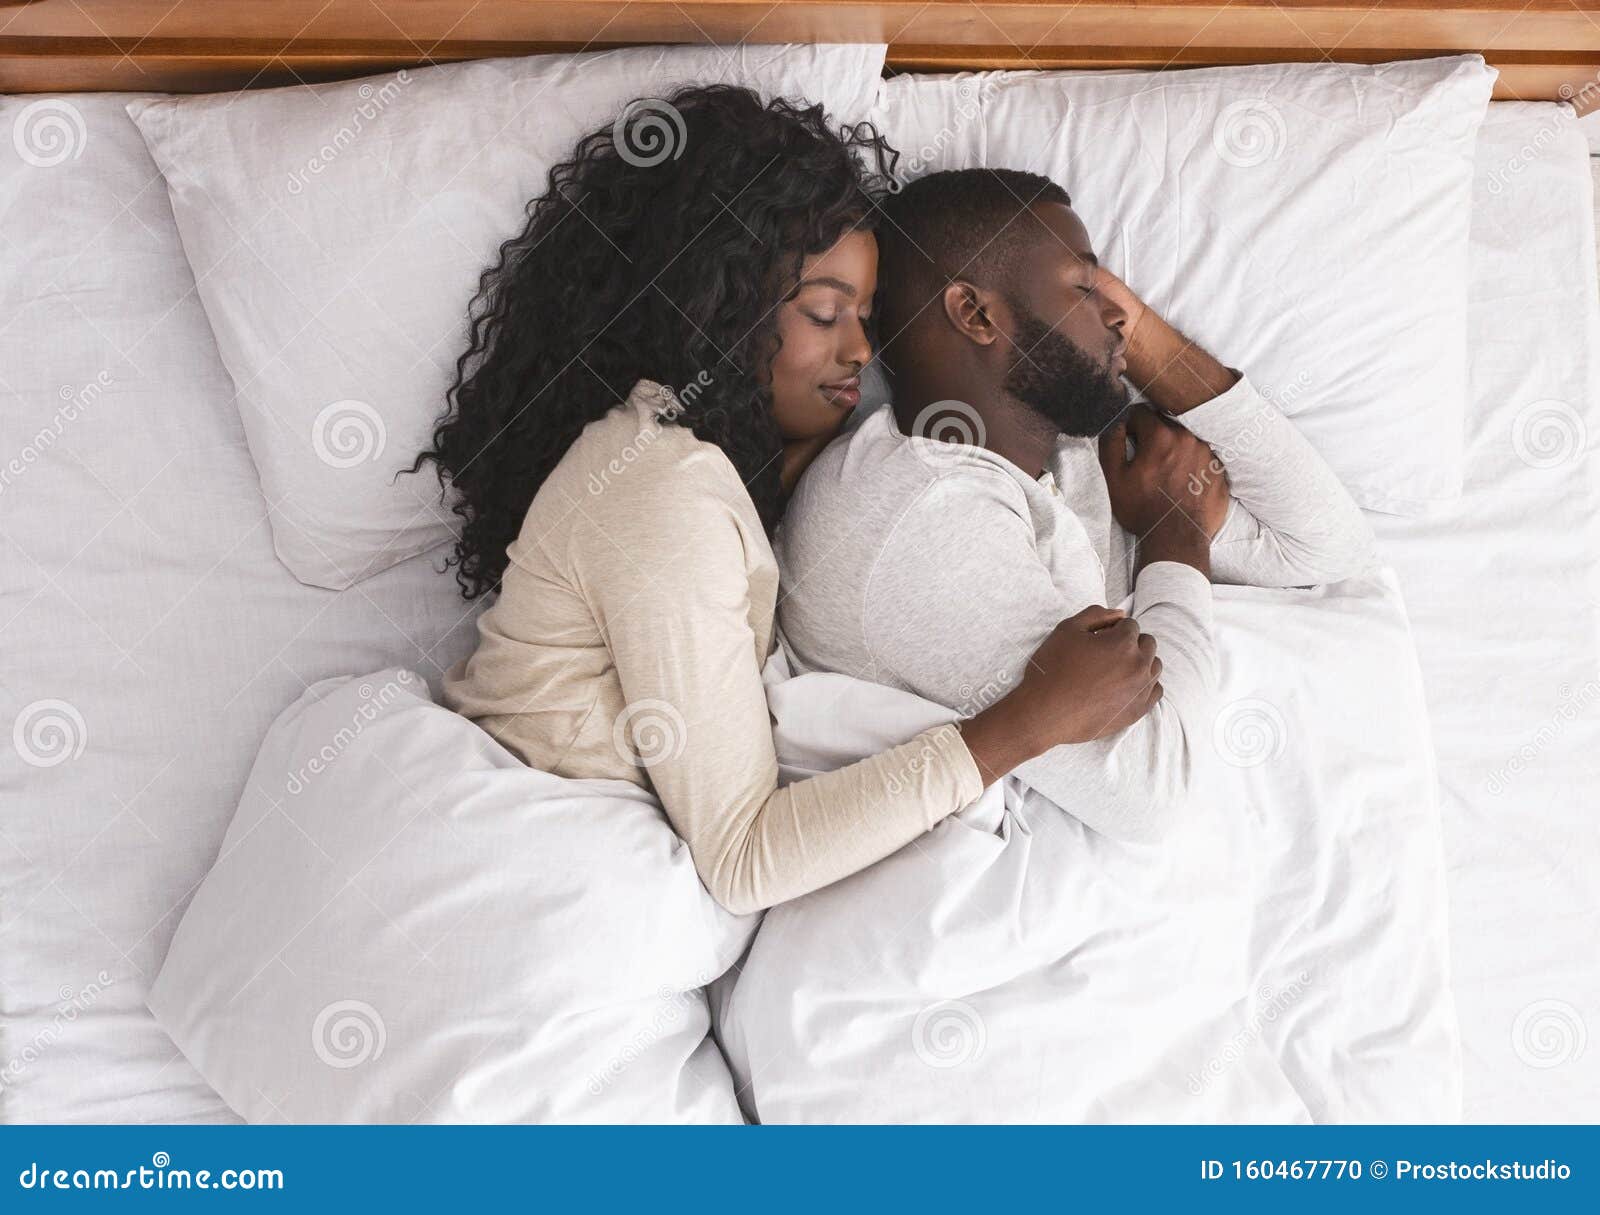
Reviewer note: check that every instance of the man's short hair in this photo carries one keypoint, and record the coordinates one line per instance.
(972, 224)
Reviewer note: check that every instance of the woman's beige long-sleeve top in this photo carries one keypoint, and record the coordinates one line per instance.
(627, 642)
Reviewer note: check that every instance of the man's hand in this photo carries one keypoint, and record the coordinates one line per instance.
(1172, 493)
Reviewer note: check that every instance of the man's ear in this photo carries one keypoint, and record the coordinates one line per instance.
(968, 308)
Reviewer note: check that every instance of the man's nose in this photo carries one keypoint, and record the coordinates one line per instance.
(1113, 315)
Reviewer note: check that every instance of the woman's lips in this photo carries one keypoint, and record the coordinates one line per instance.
(846, 394)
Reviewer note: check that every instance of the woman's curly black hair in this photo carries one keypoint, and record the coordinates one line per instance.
(659, 251)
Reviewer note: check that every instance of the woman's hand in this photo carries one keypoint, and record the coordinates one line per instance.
(1094, 675)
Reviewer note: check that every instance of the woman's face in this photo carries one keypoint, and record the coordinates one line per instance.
(816, 375)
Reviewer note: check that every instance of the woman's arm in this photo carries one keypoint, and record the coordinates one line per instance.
(667, 580)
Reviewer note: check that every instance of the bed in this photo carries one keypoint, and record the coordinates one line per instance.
(146, 612)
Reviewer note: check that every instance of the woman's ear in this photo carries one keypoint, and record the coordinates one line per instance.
(967, 308)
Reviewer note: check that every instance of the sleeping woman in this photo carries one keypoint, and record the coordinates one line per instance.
(652, 363)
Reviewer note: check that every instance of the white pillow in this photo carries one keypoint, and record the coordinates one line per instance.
(407, 923)
(1307, 223)
(337, 233)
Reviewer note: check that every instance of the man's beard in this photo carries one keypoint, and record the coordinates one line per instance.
(1061, 383)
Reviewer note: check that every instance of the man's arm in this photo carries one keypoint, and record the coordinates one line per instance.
(1174, 373)
(1291, 521)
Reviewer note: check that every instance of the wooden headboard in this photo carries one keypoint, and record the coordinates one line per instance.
(1545, 49)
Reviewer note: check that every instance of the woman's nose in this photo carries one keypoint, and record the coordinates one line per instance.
(858, 349)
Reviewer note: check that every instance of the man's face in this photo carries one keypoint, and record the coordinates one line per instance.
(1067, 359)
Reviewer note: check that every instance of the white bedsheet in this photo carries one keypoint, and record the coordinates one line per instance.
(1502, 593)
(1282, 957)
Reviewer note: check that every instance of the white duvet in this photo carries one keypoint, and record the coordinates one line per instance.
(407, 924)
(1281, 958)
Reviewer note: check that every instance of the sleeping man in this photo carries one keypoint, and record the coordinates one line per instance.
(1011, 484)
